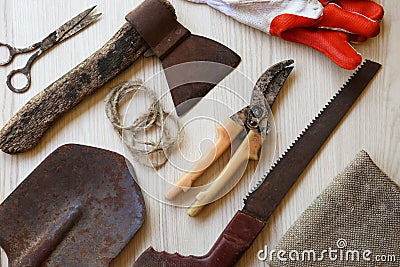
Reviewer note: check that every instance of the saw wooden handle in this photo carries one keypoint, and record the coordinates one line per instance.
(226, 133)
(26, 128)
(248, 149)
(227, 250)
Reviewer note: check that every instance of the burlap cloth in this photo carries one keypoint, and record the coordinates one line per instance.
(358, 214)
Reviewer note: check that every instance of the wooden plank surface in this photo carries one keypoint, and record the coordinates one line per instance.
(373, 124)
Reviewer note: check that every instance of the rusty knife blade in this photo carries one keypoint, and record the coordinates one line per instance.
(262, 202)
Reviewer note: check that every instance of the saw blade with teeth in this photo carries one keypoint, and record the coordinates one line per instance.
(272, 188)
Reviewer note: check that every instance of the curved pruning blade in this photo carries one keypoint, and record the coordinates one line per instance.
(256, 115)
(273, 79)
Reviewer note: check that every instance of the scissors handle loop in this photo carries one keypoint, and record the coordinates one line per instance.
(25, 71)
(12, 51)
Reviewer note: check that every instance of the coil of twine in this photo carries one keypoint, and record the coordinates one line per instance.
(136, 136)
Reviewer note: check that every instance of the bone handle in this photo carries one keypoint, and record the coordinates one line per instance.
(31, 122)
(247, 150)
(226, 133)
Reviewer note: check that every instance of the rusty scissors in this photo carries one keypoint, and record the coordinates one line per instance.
(67, 30)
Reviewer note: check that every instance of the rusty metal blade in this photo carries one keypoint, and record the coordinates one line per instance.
(264, 93)
(69, 25)
(192, 82)
(265, 198)
(81, 26)
(273, 79)
(79, 207)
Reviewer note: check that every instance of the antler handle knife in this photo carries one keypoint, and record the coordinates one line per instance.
(152, 29)
(244, 227)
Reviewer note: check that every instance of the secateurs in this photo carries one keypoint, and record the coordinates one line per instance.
(254, 120)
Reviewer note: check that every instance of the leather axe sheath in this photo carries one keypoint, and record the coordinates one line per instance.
(152, 29)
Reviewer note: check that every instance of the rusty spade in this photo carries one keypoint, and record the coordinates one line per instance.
(79, 207)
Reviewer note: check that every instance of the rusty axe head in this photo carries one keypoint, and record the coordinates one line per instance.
(174, 45)
(79, 207)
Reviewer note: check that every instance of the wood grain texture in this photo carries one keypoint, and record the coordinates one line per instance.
(373, 124)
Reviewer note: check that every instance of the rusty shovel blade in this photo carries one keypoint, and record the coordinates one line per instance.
(79, 207)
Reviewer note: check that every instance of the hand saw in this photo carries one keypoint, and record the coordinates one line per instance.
(247, 223)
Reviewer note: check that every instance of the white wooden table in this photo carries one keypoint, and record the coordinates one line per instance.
(373, 124)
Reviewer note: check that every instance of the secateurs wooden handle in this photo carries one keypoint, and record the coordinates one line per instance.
(226, 133)
(249, 149)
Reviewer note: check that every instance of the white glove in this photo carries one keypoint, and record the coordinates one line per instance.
(323, 25)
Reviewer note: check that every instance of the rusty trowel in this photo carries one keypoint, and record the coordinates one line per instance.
(79, 207)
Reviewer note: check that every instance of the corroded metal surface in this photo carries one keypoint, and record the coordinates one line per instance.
(79, 207)
(30, 123)
(65, 31)
(273, 79)
(256, 115)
